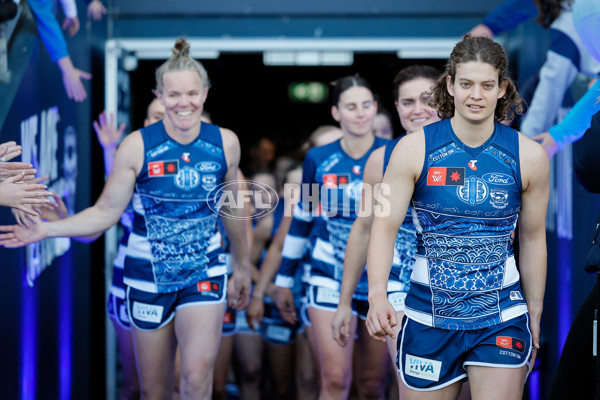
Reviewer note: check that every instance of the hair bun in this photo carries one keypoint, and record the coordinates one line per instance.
(181, 48)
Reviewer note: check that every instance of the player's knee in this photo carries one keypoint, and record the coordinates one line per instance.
(251, 372)
(371, 389)
(196, 382)
(154, 392)
(335, 380)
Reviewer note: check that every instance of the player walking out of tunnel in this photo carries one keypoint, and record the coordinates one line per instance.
(176, 276)
(471, 313)
(332, 181)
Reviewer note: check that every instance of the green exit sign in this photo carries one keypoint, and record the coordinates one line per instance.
(308, 92)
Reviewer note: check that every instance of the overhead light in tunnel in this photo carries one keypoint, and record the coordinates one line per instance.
(308, 58)
(163, 54)
(129, 62)
(423, 54)
(308, 92)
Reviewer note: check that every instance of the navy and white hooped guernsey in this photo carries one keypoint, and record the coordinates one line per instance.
(466, 201)
(331, 181)
(175, 241)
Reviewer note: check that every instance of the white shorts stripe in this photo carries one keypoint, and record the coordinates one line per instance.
(324, 282)
(141, 285)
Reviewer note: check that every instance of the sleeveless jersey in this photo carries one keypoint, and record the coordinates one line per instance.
(466, 201)
(405, 247)
(277, 216)
(175, 241)
(331, 181)
(118, 287)
(225, 245)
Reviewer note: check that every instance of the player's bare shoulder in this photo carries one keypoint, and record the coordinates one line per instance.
(231, 142)
(410, 152)
(231, 146)
(534, 161)
(229, 137)
(412, 142)
(133, 141)
(373, 172)
(130, 153)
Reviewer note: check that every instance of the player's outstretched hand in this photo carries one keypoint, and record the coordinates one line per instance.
(72, 79)
(96, 10)
(53, 211)
(17, 235)
(22, 217)
(8, 169)
(548, 143)
(482, 30)
(72, 24)
(22, 195)
(9, 150)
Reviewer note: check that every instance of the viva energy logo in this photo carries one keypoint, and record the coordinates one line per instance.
(423, 368)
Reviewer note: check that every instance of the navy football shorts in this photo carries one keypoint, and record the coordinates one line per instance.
(116, 306)
(229, 322)
(274, 329)
(151, 311)
(324, 298)
(432, 358)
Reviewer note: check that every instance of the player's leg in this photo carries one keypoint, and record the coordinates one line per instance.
(248, 350)
(446, 393)
(307, 371)
(496, 383)
(198, 325)
(335, 362)
(373, 365)
(154, 341)
(198, 330)
(430, 362)
(223, 362)
(130, 389)
(498, 361)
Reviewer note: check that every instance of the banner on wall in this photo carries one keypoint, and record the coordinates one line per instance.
(55, 155)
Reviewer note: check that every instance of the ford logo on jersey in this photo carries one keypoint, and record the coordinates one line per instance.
(498, 178)
(231, 199)
(207, 166)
